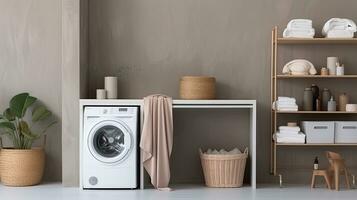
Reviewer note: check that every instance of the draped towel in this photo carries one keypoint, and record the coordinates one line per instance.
(156, 139)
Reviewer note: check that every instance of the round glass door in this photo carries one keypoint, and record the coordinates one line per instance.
(109, 141)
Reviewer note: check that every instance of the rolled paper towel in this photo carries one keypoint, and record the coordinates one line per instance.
(351, 107)
(101, 94)
(111, 86)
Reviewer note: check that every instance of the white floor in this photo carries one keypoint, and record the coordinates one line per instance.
(186, 192)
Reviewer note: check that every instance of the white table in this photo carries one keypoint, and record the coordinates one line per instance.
(191, 104)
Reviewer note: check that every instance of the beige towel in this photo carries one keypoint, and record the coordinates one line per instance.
(156, 139)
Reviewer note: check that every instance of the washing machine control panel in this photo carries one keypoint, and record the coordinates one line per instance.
(110, 111)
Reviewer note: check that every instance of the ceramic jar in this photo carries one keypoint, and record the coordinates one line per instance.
(342, 102)
(324, 71)
(308, 100)
(101, 94)
(111, 86)
(326, 96)
(315, 93)
(340, 70)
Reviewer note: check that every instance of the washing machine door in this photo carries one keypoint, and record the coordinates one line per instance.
(110, 141)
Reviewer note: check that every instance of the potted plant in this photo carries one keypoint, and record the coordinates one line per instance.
(22, 165)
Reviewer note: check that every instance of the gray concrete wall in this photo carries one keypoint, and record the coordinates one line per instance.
(151, 44)
(30, 61)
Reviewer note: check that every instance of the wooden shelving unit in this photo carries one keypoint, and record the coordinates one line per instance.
(314, 145)
(316, 77)
(314, 112)
(328, 41)
(275, 77)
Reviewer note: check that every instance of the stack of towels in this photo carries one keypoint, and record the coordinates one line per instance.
(339, 28)
(289, 134)
(285, 104)
(299, 28)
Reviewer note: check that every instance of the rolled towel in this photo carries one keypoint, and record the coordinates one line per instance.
(235, 151)
(339, 24)
(340, 34)
(293, 33)
(299, 24)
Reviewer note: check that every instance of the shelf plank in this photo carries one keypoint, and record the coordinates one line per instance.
(316, 77)
(317, 144)
(314, 112)
(350, 41)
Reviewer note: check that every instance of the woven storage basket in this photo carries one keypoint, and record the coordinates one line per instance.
(197, 87)
(224, 170)
(21, 167)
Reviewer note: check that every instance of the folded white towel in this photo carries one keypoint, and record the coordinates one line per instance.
(339, 24)
(288, 109)
(340, 34)
(291, 140)
(285, 103)
(299, 24)
(288, 99)
(285, 132)
(289, 128)
(294, 135)
(297, 138)
(297, 33)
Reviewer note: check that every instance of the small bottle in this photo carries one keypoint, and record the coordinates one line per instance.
(331, 105)
(316, 163)
(318, 104)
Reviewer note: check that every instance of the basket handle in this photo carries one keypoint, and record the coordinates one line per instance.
(246, 150)
(200, 151)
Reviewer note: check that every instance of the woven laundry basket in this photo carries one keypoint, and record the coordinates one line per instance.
(22, 167)
(197, 87)
(224, 170)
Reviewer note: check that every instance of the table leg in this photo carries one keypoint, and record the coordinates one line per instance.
(313, 181)
(347, 179)
(327, 179)
(337, 177)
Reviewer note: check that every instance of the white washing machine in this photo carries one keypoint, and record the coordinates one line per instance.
(109, 148)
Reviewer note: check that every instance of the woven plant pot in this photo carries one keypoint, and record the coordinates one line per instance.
(22, 167)
(197, 87)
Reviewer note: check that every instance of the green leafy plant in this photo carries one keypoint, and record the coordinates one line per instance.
(14, 125)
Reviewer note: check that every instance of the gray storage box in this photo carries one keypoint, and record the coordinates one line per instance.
(346, 132)
(319, 131)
